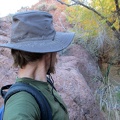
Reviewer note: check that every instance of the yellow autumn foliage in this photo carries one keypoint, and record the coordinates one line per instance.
(86, 19)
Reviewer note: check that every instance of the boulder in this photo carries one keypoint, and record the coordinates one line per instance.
(74, 89)
(87, 65)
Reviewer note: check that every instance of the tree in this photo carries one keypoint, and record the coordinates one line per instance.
(99, 9)
(99, 22)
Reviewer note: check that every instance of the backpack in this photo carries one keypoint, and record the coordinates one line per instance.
(46, 112)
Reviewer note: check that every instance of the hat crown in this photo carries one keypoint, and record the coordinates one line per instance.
(32, 24)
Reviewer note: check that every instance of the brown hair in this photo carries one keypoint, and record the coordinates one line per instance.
(21, 58)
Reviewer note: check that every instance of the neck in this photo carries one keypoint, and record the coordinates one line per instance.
(35, 70)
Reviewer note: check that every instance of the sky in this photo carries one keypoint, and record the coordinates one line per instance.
(11, 6)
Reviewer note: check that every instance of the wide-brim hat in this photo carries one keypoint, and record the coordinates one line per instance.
(33, 31)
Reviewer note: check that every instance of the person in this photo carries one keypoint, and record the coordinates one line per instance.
(34, 45)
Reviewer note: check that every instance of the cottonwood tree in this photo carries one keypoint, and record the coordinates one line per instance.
(95, 5)
(106, 12)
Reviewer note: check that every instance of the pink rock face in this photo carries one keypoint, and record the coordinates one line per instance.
(87, 65)
(75, 91)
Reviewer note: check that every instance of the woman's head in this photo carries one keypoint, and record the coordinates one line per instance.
(22, 58)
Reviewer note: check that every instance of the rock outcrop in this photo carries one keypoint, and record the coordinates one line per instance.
(75, 81)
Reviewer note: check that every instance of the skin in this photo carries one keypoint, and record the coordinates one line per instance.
(37, 70)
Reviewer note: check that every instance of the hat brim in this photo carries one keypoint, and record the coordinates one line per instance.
(60, 42)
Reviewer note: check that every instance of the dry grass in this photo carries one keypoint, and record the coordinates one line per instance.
(108, 96)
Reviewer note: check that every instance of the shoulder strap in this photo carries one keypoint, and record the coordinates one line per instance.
(51, 83)
(46, 112)
(4, 89)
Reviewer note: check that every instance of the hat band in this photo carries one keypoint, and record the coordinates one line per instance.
(33, 38)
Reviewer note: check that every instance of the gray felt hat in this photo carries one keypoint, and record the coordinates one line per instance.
(33, 31)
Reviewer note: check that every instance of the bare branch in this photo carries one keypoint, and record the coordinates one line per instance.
(118, 11)
(80, 3)
(113, 29)
(64, 3)
(90, 8)
(117, 6)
